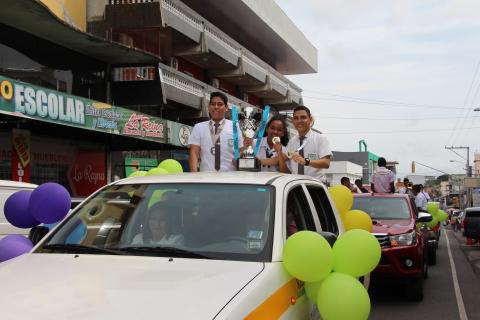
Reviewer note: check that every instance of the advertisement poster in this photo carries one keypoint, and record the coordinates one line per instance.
(135, 164)
(87, 173)
(21, 155)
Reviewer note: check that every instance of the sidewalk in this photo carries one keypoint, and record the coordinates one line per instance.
(472, 252)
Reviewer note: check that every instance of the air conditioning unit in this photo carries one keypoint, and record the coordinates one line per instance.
(216, 83)
(174, 63)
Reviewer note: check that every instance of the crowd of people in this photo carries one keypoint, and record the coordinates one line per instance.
(212, 143)
(383, 181)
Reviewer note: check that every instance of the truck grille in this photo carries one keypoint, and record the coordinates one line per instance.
(383, 239)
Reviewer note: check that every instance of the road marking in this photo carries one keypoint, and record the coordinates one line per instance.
(458, 294)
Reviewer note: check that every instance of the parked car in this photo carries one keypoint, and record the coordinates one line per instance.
(221, 252)
(471, 223)
(7, 188)
(404, 246)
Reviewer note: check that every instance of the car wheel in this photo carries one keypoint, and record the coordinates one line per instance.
(432, 255)
(425, 267)
(415, 289)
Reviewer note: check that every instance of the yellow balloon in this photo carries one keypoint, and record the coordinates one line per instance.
(342, 197)
(357, 219)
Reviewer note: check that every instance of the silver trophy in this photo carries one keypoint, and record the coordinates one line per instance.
(249, 127)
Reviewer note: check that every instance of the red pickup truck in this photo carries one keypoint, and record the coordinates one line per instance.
(404, 246)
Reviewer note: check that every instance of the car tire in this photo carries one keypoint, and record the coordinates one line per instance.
(415, 289)
(432, 256)
(425, 267)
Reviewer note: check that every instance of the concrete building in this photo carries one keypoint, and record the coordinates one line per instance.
(476, 165)
(339, 169)
(94, 88)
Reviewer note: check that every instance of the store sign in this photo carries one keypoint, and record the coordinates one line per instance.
(178, 134)
(25, 100)
(21, 155)
(87, 173)
(135, 164)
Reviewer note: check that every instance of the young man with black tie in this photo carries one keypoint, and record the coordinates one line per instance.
(211, 142)
(309, 151)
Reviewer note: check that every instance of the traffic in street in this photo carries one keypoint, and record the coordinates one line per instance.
(450, 292)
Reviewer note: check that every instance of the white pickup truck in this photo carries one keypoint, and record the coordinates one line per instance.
(185, 246)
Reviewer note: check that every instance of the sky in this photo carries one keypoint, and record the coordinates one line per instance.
(402, 75)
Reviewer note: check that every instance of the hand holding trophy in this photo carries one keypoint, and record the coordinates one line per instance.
(251, 129)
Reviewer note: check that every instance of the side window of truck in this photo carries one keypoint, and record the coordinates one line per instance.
(323, 208)
(298, 214)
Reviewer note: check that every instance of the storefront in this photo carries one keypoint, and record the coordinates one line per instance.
(47, 135)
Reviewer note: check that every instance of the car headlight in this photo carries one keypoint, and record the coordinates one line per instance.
(404, 239)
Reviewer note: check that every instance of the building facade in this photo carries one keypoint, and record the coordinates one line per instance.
(92, 89)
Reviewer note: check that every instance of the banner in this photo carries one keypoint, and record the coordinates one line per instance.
(33, 102)
(21, 155)
(88, 172)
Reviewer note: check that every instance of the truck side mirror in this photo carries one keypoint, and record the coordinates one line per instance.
(37, 233)
(424, 217)
(330, 237)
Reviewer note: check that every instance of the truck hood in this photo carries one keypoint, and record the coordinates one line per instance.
(392, 226)
(68, 286)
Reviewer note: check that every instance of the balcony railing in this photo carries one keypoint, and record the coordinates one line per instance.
(184, 89)
(113, 2)
(175, 14)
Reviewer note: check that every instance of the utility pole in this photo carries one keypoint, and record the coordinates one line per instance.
(468, 169)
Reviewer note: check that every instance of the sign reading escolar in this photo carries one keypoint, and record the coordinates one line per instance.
(37, 102)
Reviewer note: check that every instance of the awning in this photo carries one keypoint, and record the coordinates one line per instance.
(34, 18)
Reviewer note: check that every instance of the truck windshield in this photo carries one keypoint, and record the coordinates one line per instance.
(383, 208)
(194, 220)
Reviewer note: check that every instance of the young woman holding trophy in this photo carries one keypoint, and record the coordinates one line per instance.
(276, 134)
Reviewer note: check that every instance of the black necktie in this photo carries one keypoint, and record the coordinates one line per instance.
(217, 148)
(301, 168)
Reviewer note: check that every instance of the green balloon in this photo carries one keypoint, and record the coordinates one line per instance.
(171, 165)
(432, 207)
(442, 215)
(356, 252)
(156, 172)
(342, 297)
(307, 256)
(311, 288)
(433, 223)
(138, 173)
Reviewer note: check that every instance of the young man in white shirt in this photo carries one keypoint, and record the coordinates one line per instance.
(383, 179)
(310, 150)
(211, 142)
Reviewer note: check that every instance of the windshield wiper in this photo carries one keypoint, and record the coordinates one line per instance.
(164, 251)
(79, 248)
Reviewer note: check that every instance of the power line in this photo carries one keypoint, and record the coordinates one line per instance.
(374, 101)
(397, 131)
(387, 119)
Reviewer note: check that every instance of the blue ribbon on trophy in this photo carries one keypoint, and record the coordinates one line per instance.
(250, 128)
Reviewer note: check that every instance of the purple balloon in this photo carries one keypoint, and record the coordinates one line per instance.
(49, 202)
(13, 246)
(16, 210)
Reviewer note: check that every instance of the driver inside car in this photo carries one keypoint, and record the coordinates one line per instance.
(159, 227)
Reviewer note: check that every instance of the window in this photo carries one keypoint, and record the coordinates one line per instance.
(473, 214)
(192, 218)
(298, 214)
(323, 208)
(383, 208)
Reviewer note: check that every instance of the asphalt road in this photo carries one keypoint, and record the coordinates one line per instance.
(441, 301)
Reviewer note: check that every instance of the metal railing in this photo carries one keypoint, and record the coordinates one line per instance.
(182, 14)
(181, 83)
(114, 2)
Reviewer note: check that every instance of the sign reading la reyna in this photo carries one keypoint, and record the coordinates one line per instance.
(22, 99)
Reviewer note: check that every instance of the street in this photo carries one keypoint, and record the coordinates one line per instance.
(440, 298)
